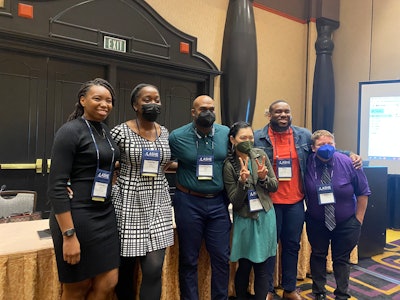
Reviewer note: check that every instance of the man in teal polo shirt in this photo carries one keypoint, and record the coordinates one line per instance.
(200, 206)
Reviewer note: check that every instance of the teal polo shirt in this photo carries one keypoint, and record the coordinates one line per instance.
(186, 146)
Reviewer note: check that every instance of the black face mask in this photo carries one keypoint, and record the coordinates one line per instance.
(205, 119)
(151, 111)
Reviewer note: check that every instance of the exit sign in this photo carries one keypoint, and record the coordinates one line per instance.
(114, 44)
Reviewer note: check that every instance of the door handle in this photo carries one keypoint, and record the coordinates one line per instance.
(38, 166)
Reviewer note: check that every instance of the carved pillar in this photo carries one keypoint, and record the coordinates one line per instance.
(239, 63)
(323, 98)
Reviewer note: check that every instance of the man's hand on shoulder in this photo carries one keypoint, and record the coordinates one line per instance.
(357, 160)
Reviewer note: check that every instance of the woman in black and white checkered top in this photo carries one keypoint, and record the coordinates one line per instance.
(141, 195)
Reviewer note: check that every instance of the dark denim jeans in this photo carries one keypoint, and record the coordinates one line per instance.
(289, 225)
(197, 218)
(343, 239)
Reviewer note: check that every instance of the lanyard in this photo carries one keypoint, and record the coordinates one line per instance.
(199, 137)
(97, 148)
(142, 143)
(315, 169)
(155, 129)
(275, 148)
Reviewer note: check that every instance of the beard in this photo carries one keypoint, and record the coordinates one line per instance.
(278, 127)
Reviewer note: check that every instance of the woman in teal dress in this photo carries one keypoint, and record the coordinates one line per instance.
(249, 178)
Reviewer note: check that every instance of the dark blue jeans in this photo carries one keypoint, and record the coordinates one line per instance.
(289, 225)
(343, 239)
(197, 218)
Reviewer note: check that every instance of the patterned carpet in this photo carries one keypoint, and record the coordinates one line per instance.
(375, 278)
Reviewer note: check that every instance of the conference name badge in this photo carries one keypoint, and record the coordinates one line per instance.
(101, 183)
(284, 167)
(254, 201)
(325, 194)
(205, 167)
(150, 162)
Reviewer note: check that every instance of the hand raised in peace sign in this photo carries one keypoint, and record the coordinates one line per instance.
(244, 169)
(262, 171)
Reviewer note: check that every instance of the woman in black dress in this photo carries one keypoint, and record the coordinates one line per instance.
(83, 224)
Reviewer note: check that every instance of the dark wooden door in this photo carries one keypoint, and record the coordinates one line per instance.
(127, 79)
(176, 94)
(38, 94)
(23, 110)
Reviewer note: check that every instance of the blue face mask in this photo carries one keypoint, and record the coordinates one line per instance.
(326, 151)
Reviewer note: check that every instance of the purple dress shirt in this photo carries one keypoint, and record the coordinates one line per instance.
(347, 182)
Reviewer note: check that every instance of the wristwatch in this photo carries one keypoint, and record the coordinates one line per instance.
(69, 232)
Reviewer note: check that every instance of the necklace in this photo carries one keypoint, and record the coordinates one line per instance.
(102, 135)
(138, 127)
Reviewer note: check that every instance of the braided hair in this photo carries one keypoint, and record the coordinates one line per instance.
(78, 112)
(231, 148)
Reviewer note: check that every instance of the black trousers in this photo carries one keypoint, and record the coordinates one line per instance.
(343, 239)
(263, 272)
(151, 266)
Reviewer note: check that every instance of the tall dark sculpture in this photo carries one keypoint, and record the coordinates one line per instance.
(239, 63)
(323, 98)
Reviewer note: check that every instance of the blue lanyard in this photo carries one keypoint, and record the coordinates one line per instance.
(315, 168)
(97, 148)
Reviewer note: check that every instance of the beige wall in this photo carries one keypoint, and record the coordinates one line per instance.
(385, 45)
(203, 19)
(281, 64)
(351, 64)
(281, 49)
(366, 48)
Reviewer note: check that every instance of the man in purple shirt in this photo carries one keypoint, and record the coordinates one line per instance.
(336, 197)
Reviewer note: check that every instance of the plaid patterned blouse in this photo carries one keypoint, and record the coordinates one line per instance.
(142, 203)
